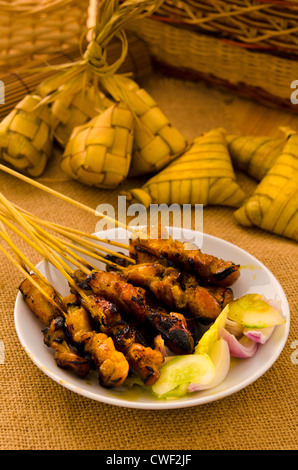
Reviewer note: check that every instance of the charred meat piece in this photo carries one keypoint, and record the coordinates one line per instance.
(140, 255)
(132, 301)
(111, 364)
(54, 333)
(168, 286)
(209, 268)
(66, 357)
(44, 310)
(144, 360)
(118, 260)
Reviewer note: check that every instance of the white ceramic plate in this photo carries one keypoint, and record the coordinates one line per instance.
(254, 278)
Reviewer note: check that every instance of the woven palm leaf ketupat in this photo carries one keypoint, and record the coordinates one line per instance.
(255, 155)
(73, 109)
(92, 67)
(202, 175)
(25, 136)
(99, 153)
(274, 203)
(157, 142)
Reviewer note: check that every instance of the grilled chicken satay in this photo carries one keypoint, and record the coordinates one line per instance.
(132, 301)
(111, 364)
(42, 308)
(144, 360)
(54, 332)
(65, 357)
(167, 285)
(209, 268)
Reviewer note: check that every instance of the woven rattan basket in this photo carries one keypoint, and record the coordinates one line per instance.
(37, 29)
(250, 46)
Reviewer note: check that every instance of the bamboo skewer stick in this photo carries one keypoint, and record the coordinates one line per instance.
(29, 277)
(93, 248)
(56, 245)
(45, 246)
(24, 224)
(78, 261)
(81, 264)
(48, 254)
(4, 234)
(72, 236)
(63, 197)
(20, 256)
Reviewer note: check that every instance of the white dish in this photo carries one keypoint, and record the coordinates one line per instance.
(254, 278)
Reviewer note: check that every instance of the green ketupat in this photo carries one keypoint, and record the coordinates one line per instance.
(274, 204)
(99, 152)
(202, 175)
(25, 136)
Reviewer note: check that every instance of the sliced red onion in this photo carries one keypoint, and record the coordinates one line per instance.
(259, 335)
(243, 348)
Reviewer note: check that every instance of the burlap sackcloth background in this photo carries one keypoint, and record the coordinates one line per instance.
(38, 413)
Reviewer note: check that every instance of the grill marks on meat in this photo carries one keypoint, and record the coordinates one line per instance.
(132, 301)
(144, 360)
(210, 268)
(43, 309)
(96, 325)
(56, 337)
(112, 366)
(167, 285)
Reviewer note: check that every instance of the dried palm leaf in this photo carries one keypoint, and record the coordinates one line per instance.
(99, 153)
(202, 175)
(274, 203)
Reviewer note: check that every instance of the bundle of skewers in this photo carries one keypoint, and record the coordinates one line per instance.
(143, 307)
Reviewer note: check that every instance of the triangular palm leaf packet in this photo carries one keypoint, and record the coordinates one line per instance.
(255, 155)
(202, 175)
(274, 204)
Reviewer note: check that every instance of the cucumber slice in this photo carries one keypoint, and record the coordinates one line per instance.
(252, 311)
(180, 371)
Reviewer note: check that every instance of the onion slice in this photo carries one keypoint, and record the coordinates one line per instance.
(243, 348)
(259, 335)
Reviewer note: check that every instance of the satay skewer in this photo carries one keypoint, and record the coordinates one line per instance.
(111, 364)
(52, 317)
(57, 244)
(144, 360)
(79, 237)
(89, 248)
(64, 197)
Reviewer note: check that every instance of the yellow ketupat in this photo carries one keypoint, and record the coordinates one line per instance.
(74, 111)
(202, 175)
(74, 103)
(274, 203)
(99, 153)
(25, 136)
(156, 141)
(253, 154)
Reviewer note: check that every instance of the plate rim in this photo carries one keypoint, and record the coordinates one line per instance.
(162, 404)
